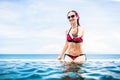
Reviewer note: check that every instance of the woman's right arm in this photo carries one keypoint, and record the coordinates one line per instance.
(64, 48)
(63, 51)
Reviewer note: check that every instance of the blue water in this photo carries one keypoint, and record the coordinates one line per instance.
(46, 67)
(54, 56)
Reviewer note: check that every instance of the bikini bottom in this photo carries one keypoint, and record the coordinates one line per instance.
(74, 57)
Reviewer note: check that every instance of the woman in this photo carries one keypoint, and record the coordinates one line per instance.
(72, 50)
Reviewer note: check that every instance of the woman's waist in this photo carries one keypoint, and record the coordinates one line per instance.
(74, 50)
(74, 53)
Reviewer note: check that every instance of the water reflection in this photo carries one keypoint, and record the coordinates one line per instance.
(72, 71)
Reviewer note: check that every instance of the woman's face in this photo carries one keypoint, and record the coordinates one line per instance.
(72, 17)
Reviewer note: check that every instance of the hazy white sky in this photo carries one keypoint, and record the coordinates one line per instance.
(38, 26)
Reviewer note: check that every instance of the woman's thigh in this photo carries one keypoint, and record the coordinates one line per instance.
(68, 59)
(80, 59)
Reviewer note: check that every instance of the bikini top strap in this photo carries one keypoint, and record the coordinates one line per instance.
(77, 30)
(69, 30)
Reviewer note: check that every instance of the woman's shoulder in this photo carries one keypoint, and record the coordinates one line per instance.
(67, 30)
(81, 31)
(81, 28)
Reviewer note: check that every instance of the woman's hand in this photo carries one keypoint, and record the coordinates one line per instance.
(59, 58)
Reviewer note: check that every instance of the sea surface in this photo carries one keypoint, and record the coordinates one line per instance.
(46, 67)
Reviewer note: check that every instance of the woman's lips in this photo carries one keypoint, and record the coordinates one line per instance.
(71, 20)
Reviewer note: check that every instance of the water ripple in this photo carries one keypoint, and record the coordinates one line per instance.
(54, 70)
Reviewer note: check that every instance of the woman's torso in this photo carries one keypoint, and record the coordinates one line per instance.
(74, 48)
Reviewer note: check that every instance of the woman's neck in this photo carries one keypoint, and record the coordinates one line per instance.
(74, 25)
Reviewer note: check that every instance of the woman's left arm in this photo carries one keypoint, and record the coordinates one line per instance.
(80, 32)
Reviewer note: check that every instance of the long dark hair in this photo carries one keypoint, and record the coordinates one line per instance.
(76, 15)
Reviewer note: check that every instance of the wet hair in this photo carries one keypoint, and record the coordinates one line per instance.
(76, 15)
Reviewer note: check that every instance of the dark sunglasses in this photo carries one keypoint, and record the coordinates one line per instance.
(72, 16)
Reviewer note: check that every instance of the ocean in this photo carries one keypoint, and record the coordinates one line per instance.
(46, 67)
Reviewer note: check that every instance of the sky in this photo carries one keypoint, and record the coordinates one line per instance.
(38, 26)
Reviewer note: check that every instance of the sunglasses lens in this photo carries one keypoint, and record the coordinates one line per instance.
(72, 16)
(68, 17)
